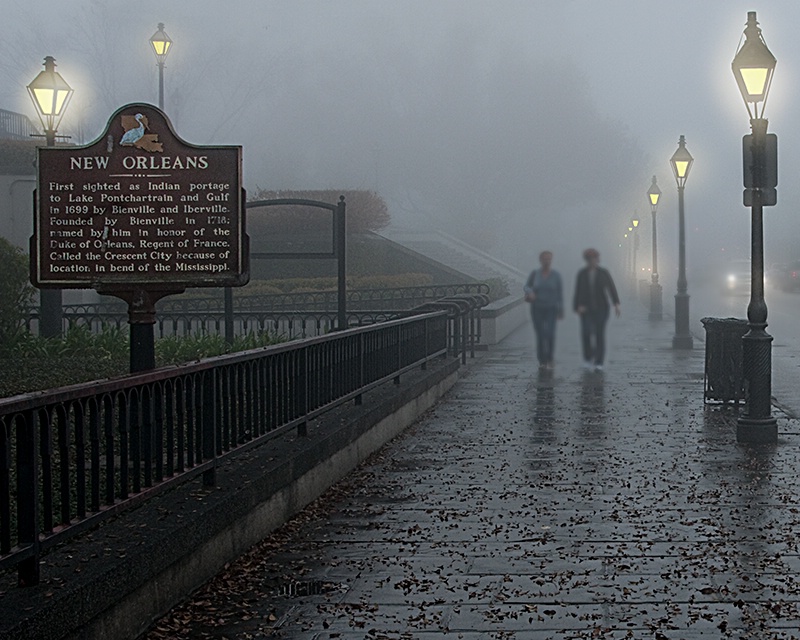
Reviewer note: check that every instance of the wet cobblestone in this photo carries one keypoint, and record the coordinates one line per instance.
(533, 504)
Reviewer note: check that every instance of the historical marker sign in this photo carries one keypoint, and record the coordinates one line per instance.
(139, 209)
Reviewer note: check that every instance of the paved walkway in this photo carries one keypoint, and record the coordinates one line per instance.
(534, 505)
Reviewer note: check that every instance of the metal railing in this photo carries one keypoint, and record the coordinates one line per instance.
(289, 315)
(16, 126)
(73, 456)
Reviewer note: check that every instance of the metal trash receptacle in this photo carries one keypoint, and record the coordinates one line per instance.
(724, 376)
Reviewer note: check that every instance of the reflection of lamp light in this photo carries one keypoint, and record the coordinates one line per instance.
(753, 66)
(161, 44)
(654, 195)
(51, 95)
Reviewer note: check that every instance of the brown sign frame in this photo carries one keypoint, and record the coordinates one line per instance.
(154, 192)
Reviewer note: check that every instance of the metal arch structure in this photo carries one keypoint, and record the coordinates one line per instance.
(339, 253)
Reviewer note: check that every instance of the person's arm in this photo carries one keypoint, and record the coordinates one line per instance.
(577, 297)
(528, 288)
(612, 291)
(530, 294)
(560, 293)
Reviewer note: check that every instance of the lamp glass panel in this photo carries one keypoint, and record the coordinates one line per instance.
(635, 223)
(755, 81)
(61, 96)
(654, 198)
(680, 167)
(161, 46)
(44, 100)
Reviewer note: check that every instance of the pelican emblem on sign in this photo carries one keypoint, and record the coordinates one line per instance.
(135, 136)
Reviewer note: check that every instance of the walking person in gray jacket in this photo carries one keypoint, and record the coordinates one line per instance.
(593, 289)
(544, 292)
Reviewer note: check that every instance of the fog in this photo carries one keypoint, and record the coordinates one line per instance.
(517, 126)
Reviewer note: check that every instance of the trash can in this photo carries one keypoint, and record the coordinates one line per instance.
(724, 376)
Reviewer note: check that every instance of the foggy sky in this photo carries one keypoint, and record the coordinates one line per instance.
(516, 125)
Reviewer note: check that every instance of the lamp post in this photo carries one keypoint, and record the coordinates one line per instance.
(681, 162)
(753, 66)
(627, 256)
(656, 308)
(635, 224)
(51, 95)
(161, 44)
(629, 236)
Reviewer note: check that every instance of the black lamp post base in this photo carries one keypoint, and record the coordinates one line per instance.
(758, 424)
(656, 306)
(683, 337)
(757, 430)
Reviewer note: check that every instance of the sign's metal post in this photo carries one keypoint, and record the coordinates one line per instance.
(228, 315)
(141, 317)
(140, 214)
(341, 255)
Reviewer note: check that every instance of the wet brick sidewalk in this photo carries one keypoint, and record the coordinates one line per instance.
(532, 505)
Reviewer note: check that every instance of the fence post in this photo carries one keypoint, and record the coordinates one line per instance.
(426, 346)
(302, 391)
(464, 329)
(209, 430)
(361, 373)
(341, 256)
(28, 498)
(399, 353)
(472, 313)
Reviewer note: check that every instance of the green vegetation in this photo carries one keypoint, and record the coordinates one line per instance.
(32, 363)
(324, 283)
(16, 294)
(178, 350)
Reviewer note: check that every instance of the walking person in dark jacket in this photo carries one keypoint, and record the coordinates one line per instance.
(593, 289)
(544, 292)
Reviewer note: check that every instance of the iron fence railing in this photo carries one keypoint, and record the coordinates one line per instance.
(72, 456)
(290, 315)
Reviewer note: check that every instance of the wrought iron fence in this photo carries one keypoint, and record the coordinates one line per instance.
(290, 315)
(70, 457)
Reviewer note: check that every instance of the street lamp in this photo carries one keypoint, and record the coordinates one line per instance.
(161, 44)
(51, 95)
(653, 196)
(753, 66)
(681, 162)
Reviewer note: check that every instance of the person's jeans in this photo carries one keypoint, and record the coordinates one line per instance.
(593, 335)
(544, 324)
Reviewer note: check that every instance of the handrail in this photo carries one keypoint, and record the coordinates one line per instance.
(76, 455)
(297, 315)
